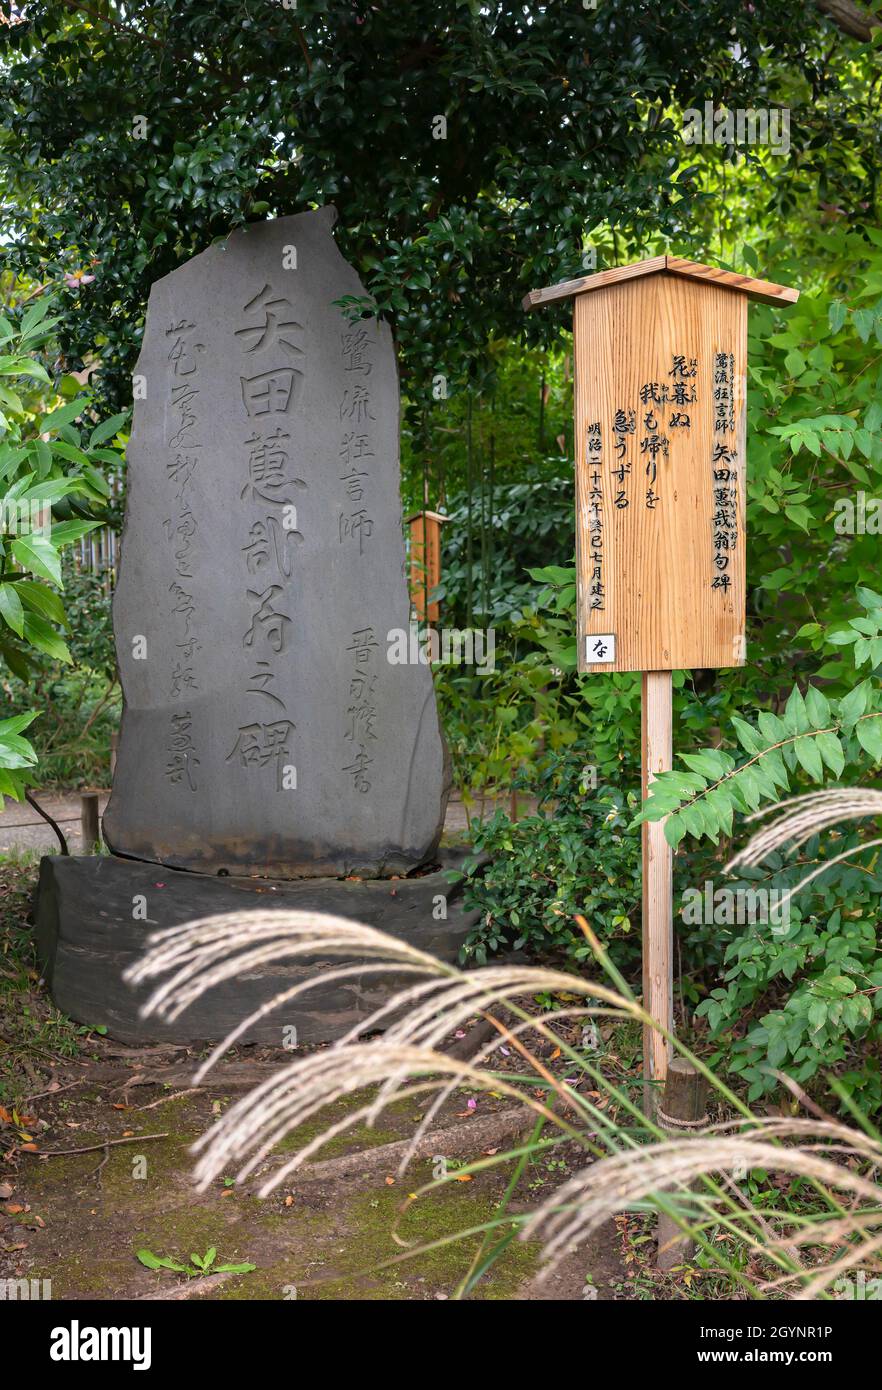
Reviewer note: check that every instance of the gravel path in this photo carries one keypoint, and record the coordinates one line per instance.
(22, 829)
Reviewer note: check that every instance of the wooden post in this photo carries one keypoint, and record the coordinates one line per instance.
(89, 821)
(658, 947)
(425, 562)
(681, 1111)
(660, 447)
(114, 749)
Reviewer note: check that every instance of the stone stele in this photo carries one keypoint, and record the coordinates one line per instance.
(262, 579)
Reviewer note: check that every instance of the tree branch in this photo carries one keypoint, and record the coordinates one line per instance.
(46, 816)
(850, 18)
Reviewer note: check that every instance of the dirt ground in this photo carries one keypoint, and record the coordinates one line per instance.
(79, 1219)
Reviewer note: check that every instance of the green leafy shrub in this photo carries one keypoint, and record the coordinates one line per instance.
(48, 465)
(574, 855)
(502, 725)
(79, 699)
(811, 736)
(806, 998)
(88, 616)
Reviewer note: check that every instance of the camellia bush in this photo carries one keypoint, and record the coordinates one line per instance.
(53, 491)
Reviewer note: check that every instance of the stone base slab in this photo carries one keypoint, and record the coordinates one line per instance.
(87, 935)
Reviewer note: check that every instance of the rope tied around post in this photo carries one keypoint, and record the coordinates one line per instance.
(668, 1121)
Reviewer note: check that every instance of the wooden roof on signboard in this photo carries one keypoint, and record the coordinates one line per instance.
(433, 516)
(763, 291)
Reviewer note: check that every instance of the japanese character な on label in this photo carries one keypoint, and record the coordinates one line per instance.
(600, 647)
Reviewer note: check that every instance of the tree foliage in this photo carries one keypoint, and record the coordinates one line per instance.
(168, 122)
(52, 464)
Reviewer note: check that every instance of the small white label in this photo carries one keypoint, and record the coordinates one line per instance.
(600, 648)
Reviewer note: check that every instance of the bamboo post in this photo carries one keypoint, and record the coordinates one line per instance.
(658, 929)
(680, 1112)
(89, 821)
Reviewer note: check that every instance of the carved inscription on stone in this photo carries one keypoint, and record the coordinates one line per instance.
(264, 731)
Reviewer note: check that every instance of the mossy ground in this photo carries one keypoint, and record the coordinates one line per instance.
(308, 1240)
(79, 1219)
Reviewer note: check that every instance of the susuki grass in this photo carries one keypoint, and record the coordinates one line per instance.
(630, 1164)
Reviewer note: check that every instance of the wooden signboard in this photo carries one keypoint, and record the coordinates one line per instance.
(425, 562)
(660, 446)
(661, 359)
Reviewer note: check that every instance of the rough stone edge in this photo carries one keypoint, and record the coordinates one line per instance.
(131, 1028)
